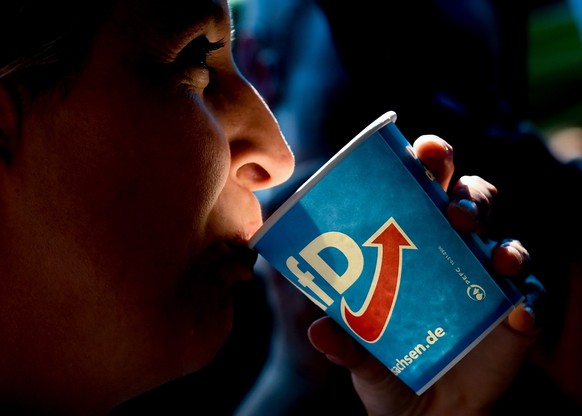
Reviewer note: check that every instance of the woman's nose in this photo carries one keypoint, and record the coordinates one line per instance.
(260, 156)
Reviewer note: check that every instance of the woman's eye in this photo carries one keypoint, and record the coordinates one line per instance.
(196, 53)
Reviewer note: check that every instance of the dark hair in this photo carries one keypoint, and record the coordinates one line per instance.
(44, 43)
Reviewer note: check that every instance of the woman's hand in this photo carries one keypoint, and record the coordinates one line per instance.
(484, 374)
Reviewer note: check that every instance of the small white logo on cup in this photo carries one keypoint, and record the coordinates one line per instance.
(476, 292)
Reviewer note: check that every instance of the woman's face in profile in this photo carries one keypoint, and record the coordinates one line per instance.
(129, 203)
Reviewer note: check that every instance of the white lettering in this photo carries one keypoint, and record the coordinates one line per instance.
(347, 246)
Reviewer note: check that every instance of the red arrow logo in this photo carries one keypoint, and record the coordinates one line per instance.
(370, 321)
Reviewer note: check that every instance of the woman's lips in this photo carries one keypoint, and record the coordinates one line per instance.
(225, 262)
(242, 252)
(242, 258)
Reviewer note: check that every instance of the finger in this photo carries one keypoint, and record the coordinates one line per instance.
(529, 315)
(330, 339)
(471, 202)
(340, 348)
(437, 155)
(510, 258)
(372, 380)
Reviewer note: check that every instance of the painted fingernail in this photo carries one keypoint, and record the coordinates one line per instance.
(467, 206)
(535, 299)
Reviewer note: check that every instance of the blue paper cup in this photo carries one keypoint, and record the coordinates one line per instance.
(366, 239)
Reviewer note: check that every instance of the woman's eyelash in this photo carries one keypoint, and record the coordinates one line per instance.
(196, 53)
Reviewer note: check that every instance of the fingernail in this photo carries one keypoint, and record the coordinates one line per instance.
(535, 299)
(467, 206)
(534, 322)
(529, 310)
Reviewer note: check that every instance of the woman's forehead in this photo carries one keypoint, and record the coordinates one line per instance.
(180, 14)
(173, 19)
